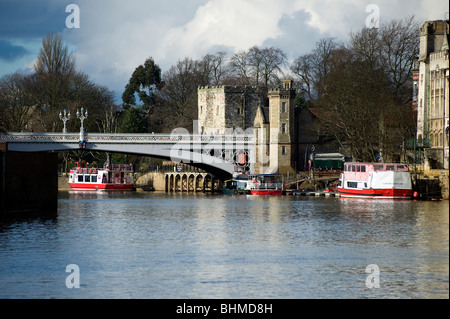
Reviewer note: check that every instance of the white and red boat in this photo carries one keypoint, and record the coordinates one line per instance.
(265, 184)
(375, 180)
(111, 177)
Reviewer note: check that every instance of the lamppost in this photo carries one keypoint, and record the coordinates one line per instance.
(64, 118)
(82, 116)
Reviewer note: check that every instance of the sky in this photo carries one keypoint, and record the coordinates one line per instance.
(114, 37)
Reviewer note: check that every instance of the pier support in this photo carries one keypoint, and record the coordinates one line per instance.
(28, 182)
(192, 182)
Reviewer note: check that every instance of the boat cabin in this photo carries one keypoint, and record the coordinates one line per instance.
(110, 174)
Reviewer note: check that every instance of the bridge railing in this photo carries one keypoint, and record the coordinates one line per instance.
(123, 138)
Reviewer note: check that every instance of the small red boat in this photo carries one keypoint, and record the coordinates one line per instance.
(265, 184)
(111, 177)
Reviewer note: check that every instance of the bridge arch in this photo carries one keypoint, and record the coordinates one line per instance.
(194, 150)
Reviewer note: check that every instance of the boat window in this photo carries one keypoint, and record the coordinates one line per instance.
(241, 185)
(400, 167)
(358, 168)
(378, 167)
(363, 168)
(80, 178)
(353, 168)
(87, 178)
(94, 178)
(390, 167)
(352, 184)
(365, 185)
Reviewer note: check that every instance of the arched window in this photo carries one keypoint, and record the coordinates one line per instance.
(447, 136)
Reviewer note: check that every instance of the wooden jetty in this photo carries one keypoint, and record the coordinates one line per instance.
(312, 193)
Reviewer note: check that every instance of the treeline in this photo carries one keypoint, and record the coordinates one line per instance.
(160, 102)
(33, 102)
(361, 89)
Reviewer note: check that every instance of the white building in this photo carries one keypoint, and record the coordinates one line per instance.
(433, 94)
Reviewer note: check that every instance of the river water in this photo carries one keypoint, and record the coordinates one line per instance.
(158, 245)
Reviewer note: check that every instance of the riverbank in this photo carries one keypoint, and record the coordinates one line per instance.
(63, 184)
(430, 184)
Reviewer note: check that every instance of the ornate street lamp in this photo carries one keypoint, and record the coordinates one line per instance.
(64, 118)
(82, 116)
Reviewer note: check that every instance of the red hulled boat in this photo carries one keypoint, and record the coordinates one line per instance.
(111, 177)
(375, 180)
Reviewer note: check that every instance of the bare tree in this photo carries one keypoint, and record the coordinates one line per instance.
(179, 95)
(393, 47)
(273, 61)
(54, 58)
(303, 70)
(352, 107)
(400, 41)
(16, 105)
(214, 68)
(258, 66)
(367, 45)
(240, 66)
(55, 68)
(312, 68)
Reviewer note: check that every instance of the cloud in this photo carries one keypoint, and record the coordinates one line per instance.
(30, 18)
(230, 23)
(10, 52)
(116, 36)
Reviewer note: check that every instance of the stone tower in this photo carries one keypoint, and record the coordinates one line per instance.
(281, 135)
(225, 109)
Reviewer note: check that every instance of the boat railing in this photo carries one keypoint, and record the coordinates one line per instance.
(79, 170)
(267, 185)
(119, 167)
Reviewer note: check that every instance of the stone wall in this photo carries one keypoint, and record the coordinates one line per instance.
(151, 181)
(444, 183)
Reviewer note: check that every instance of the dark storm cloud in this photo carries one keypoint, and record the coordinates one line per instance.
(31, 18)
(10, 52)
(297, 37)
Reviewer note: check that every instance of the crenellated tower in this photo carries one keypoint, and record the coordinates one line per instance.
(281, 118)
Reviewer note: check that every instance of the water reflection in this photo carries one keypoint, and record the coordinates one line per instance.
(156, 245)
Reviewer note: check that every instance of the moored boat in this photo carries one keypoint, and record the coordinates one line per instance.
(375, 180)
(235, 187)
(111, 177)
(265, 184)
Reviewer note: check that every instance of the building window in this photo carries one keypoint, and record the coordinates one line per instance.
(217, 112)
(283, 128)
(283, 107)
(283, 150)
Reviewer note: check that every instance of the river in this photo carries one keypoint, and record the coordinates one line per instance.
(158, 245)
